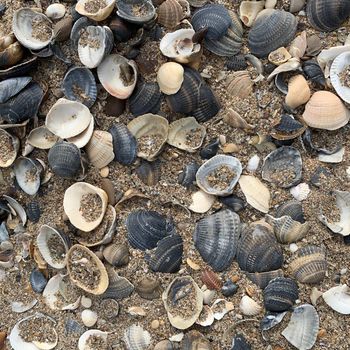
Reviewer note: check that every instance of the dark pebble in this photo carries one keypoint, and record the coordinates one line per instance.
(38, 281)
(210, 150)
(33, 211)
(2, 9)
(229, 288)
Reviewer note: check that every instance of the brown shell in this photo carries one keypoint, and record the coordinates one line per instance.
(117, 254)
(63, 28)
(11, 51)
(171, 12)
(262, 279)
(239, 84)
(149, 288)
(233, 119)
(211, 279)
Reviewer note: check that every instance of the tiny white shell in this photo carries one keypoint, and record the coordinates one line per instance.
(300, 192)
(249, 307)
(221, 307)
(89, 317)
(55, 11)
(253, 163)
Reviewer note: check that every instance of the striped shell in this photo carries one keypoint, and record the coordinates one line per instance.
(340, 65)
(136, 338)
(171, 12)
(148, 288)
(118, 288)
(211, 279)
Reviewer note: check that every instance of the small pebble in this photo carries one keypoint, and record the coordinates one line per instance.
(177, 337)
(230, 148)
(343, 271)
(222, 139)
(86, 302)
(322, 333)
(89, 318)
(208, 296)
(155, 324)
(293, 247)
(104, 172)
(229, 288)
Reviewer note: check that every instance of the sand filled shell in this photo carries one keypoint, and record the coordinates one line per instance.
(97, 13)
(86, 270)
(325, 110)
(42, 138)
(339, 75)
(10, 146)
(338, 298)
(171, 12)
(136, 11)
(248, 10)
(183, 301)
(298, 92)
(85, 205)
(170, 77)
(83, 343)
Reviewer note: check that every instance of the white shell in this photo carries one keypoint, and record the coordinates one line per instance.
(338, 298)
(89, 317)
(42, 138)
(100, 15)
(85, 302)
(248, 11)
(300, 192)
(290, 65)
(328, 55)
(334, 158)
(82, 343)
(206, 317)
(340, 63)
(253, 163)
(82, 139)
(136, 338)
(221, 307)
(249, 307)
(19, 307)
(55, 11)
(170, 77)
(201, 202)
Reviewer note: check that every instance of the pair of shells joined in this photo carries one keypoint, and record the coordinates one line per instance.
(248, 11)
(118, 75)
(11, 144)
(100, 149)
(298, 92)
(172, 12)
(325, 110)
(11, 51)
(83, 8)
(341, 66)
(136, 11)
(170, 77)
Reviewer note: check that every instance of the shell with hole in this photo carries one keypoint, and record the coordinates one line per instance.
(298, 92)
(173, 302)
(97, 13)
(239, 84)
(118, 75)
(135, 337)
(339, 73)
(338, 298)
(170, 77)
(151, 133)
(86, 270)
(248, 11)
(32, 29)
(10, 147)
(171, 12)
(42, 138)
(85, 205)
(11, 51)
(97, 335)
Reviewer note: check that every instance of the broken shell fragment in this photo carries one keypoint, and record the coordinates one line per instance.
(233, 119)
(11, 87)
(339, 68)
(298, 46)
(262, 279)
(170, 77)
(97, 13)
(201, 202)
(300, 192)
(279, 56)
(298, 92)
(249, 307)
(136, 338)
(206, 317)
(10, 147)
(248, 11)
(118, 287)
(338, 298)
(221, 307)
(288, 128)
(99, 336)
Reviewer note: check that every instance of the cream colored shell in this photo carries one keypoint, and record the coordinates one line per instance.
(170, 77)
(100, 15)
(298, 92)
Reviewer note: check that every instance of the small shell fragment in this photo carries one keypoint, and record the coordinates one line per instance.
(338, 298)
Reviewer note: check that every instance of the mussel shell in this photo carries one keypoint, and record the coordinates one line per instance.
(187, 177)
(149, 172)
(280, 294)
(314, 72)
(126, 10)
(291, 208)
(149, 288)
(11, 51)
(37, 281)
(146, 228)
(82, 79)
(33, 211)
(262, 279)
(216, 238)
(11, 87)
(233, 202)
(20, 69)
(236, 63)
(211, 149)
(272, 29)
(118, 288)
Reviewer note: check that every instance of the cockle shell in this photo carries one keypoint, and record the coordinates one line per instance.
(84, 137)
(10, 148)
(118, 288)
(84, 338)
(340, 66)
(248, 10)
(100, 14)
(116, 254)
(42, 138)
(296, 5)
(136, 11)
(249, 307)
(239, 84)
(298, 92)
(338, 298)
(262, 279)
(171, 12)
(149, 288)
(170, 77)
(136, 338)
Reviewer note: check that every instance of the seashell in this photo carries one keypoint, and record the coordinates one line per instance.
(53, 246)
(211, 279)
(249, 307)
(291, 208)
(86, 270)
(151, 133)
(288, 128)
(233, 119)
(148, 288)
(188, 175)
(211, 149)
(309, 265)
(283, 167)
(146, 98)
(55, 11)
(83, 343)
(339, 76)
(296, 5)
(124, 144)
(89, 317)
(338, 298)
(262, 279)
(233, 202)
(221, 307)
(255, 192)
(239, 84)
(240, 343)
(303, 327)
(298, 92)
(100, 149)
(118, 75)
(19, 307)
(314, 45)
(121, 29)
(336, 157)
(12, 86)
(42, 138)
(84, 137)
(37, 281)
(325, 111)
(118, 288)
(97, 13)
(32, 29)
(258, 250)
(248, 11)
(11, 51)
(291, 65)
(216, 238)
(136, 338)
(63, 28)
(10, 147)
(237, 63)
(65, 159)
(280, 294)
(117, 254)
(19, 69)
(229, 288)
(314, 72)
(136, 11)
(195, 340)
(286, 229)
(33, 211)
(183, 290)
(206, 317)
(28, 174)
(111, 308)
(47, 340)
(253, 163)
(170, 77)
(15, 209)
(298, 46)
(201, 202)
(300, 192)
(79, 85)
(79, 25)
(171, 12)
(72, 327)
(327, 16)
(272, 29)
(164, 345)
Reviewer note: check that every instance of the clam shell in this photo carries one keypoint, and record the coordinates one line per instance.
(291, 208)
(149, 172)
(340, 65)
(338, 298)
(55, 254)
(178, 289)
(84, 137)
(79, 85)
(148, 288)
(65, 159)
(118, 288)
(72, 202)
(248, 10)
(233, 202)
(118, 75)
(136, 338)
(206, 317)
(262, 279)
(11, 51)
(239, 84)
(151, 127)
(146, 228)
(89, 317)
(42, 138)
(181, 132)
(28, 174)
(249, 307)
(314, 72)
(303, 327)
(100, 15)
(37, 281)
(211, 279)
(10, 147)
(272, 29)
(84, 338)
(80, 255)
(12, 86)
(258, 250)
(78, 27)
(22, 28)
(55, 11)
(280, 294)
(298, 92)
(309, 265)
(216, 238)
(130, 10)
(100, 149)
(284, 159)
(327, 16)
(170, 77)
(195, 340)
(63, 28)
(171, 12)
(326, 111)
(117, 254)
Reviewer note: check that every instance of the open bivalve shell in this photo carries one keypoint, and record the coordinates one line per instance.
(219, 175)
(136, 338)
(53, 246)
(45, 337)
(100, 149)
(180, 292)
(10, 147)
(338, 298)
(339, 75)
(41, 138)
(151, 133)
(85, 205)
(32, 29)
(136, 11)
(186, 134)
(118, 75)
(89, 9)
(83, 343)
(86, 270)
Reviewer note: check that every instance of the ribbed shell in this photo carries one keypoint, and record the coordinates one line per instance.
(314, 72)
(124, 144)
(146, 228)
(33, 211)
(167, 256)
(309, 265)
(149, 288)
(65, 159)
(125, 10)
(291, 208)
(327, 16)
(233, 202)
(171, 12)
(136, 338)
(118, 288)
(287, 128)
(239, 84)
(262, 279)
(272, 29)
(188, 175)
(236, 63)
(216, 238)
(211, 279)
(11, 87)
(208, 104)
(117, 254)
(258, 250)
(149, 172)
(145, 98)
(280, 294)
